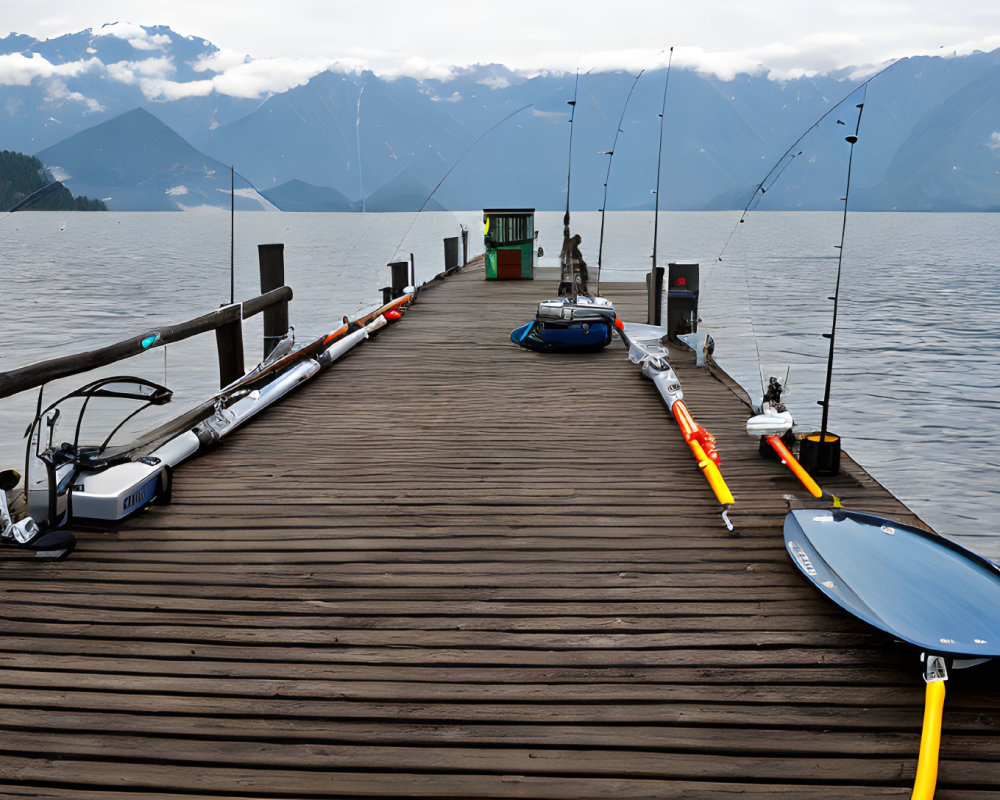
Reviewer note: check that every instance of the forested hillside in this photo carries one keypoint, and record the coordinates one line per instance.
(23, 187)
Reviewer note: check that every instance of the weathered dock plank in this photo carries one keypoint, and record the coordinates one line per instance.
(453, 568)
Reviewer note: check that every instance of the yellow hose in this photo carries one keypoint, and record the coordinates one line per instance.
(930, 742)
(711, 473)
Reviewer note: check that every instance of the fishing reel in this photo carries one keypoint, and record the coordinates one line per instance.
(772, 397)
(772, 420)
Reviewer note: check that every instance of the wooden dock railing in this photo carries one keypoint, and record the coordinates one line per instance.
(225, 321)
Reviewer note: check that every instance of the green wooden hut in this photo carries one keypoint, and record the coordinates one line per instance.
(509, 236)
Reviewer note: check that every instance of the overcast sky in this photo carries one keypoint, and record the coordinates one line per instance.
(424, 37)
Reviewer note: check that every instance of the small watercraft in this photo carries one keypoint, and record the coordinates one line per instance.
(569, 324)
(71, 480)
(919, 587)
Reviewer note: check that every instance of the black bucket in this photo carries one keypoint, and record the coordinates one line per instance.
(819, 456)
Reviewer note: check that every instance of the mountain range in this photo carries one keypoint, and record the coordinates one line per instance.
(140, 123)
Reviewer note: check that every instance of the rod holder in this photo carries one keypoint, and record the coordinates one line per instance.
(682, 298)
(820, 455)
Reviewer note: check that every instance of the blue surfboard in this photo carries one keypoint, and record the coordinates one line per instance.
(917, 586)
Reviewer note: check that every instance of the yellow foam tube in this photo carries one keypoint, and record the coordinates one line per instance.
(712, 474)
(930, 743)
(793, 464)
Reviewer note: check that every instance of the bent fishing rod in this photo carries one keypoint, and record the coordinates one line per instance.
(611, 154)
(767, 182)
(452, 168)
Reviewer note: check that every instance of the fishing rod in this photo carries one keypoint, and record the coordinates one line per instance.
(764, 184)
(357, 136)
(825, 402)
(566, 254)
(232, 234)
(452, 168)
(821, 451)
(569, 167)
(46, 188)
(610, 154)
(232, 225)
(659, 158)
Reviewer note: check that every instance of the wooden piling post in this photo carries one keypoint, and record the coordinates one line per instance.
(400, 277)
(654, 306)
(229, 341)
(271, 258)
(451, 254)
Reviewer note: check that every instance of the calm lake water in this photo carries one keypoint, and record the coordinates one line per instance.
(917, 371)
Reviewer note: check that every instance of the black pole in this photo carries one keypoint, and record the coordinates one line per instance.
(566, 256)
(569, 168)
(659, 158)
(232, 233)
(825, 402)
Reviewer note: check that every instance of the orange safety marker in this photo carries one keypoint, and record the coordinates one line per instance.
(792, 463)
(702, 445)
(712, 473)
(684, 419)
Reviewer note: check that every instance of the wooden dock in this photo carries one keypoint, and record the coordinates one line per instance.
(450, 567)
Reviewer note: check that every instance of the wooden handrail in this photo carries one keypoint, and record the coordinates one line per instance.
(34, 375)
